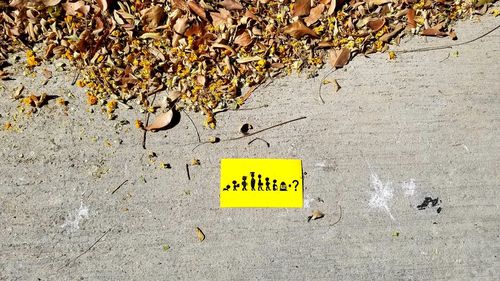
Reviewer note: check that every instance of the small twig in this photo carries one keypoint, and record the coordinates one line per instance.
(192, 122)
(187, 171)
(76, 77)
(147, 123)
(88, 249)
(321, 83)
(268, 145)
(445, 58)
(254, 133)
(253, 108)
(340, 217)
(124, 182)
(447, 46)
(265, 129)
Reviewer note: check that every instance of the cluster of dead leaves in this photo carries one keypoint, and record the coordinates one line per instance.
(206, 51)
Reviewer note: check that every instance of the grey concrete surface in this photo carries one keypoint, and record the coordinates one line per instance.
(423, 125)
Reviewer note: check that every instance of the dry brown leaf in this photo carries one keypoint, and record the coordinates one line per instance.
(316, 214)
(153, 16)
(244, 39)
(197, 9)
(298, 29)
(411, 18)
(231, 5)
(103, 5)
(301, 8)
(453, 35)
(180, 4)
(376, 24)
(378, 2)
(199, 234)
(333, 6)
(50, 3)
(73, 8)
(388, 36)
(314, 14)
(180, 25)
(173, 95)
(220, 18)
(339, 58)
(161, 121)
(433, 32)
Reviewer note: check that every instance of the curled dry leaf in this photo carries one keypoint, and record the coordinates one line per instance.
(197, 9)
(316, 214)
(153, 16)
(378, 2)
(245, 128)
(388, 36)
(73, 8)
(334, 4)
(103, 5)
(161, 121)
(231, 5)
(339, 58)
(410, 15)
(173, 95)
(376, 24)
(433, 32)
(298, 29)
(314, 14)
(244, 39)
(50, 3)
(301, 8)
(199, 234)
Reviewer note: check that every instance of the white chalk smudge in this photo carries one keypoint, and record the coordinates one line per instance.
(381, 195)
(307, 202)
(409, 187)
(73, 220)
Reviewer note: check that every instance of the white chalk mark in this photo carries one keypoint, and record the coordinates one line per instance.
(72, 222)
(409, 187)
(382, 193)
(307, 201)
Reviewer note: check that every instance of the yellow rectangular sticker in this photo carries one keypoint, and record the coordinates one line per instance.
(261, 183)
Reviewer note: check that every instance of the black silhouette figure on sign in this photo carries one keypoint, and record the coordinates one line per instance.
(244, 183)
(235, 186)
(283, 186)
(267, 185)
(227, 188)
(260, 184)
(275, 187)
(252, 182)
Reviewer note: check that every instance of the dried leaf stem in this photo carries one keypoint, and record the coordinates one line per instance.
(321, 83)
(124, 182)
(146, 124)
(88, 249)
(194, 125)
(426, 49)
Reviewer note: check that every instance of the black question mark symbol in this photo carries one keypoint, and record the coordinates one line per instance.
(296, 184)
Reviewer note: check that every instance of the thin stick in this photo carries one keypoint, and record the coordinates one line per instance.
(448, 46)
(265, 129)
(254, 133)
(194, 125)
(76, 77)
(187, 171)
(321, 84)
(268, 145)
(340, 217)
(113, 192)
(147, 123)
(88, 249)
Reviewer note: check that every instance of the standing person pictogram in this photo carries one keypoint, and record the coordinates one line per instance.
(275, 186)
(260, 184)
(252, 182)
(235, 186)
(244, 183)
(267, 185)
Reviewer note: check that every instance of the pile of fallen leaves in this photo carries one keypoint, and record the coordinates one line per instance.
(198, 54)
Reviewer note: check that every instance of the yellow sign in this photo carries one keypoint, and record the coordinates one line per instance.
(261, 183)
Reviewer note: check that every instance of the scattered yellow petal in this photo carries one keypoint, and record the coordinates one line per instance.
(195, 162)
(91, 98)
(199, 234)
(392, 55)
(138, 124)
(60, 101)
(495, 12)
(7, 126)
